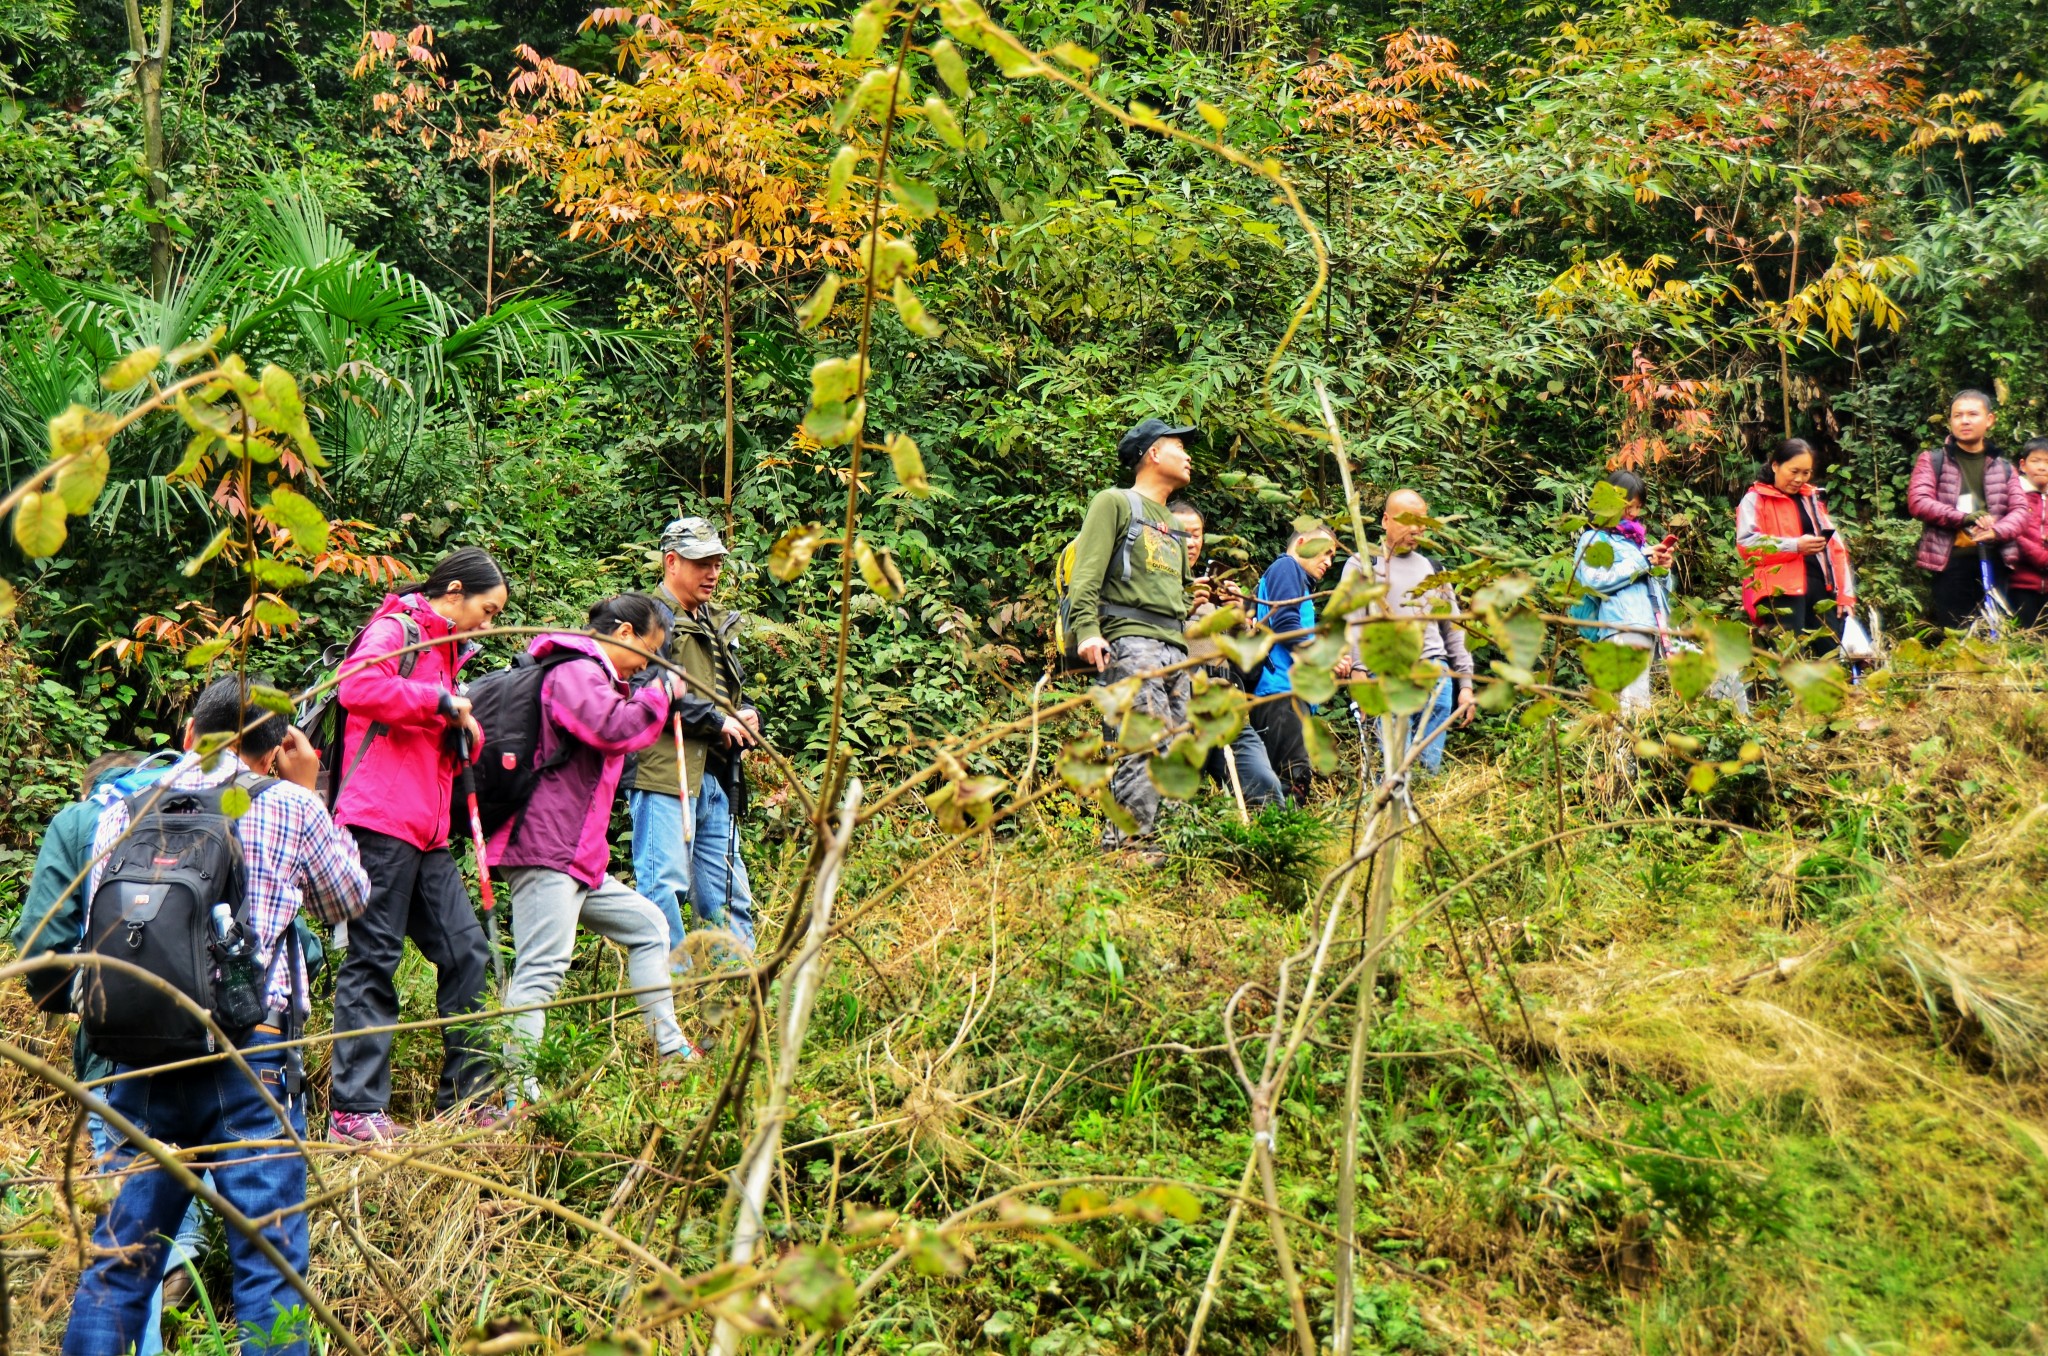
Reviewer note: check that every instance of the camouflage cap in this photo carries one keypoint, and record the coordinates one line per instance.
(692, 539)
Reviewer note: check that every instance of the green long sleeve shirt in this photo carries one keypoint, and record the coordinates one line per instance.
(1160, 578)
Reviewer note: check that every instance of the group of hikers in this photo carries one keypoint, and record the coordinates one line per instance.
(358, 835)
(252, 823)
(1136, 607)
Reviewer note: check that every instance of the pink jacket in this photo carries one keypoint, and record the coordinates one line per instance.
(1935, 505)
(587, 708)
(395, 777)
(2026, 527)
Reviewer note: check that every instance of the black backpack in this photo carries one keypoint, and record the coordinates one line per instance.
(506, 704)
(153, 908)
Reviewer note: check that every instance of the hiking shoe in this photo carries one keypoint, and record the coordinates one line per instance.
(177, 1287)
(490, 1116)
(363, 1127)
(679, 1064)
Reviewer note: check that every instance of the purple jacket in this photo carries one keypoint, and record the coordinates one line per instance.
(1935, 505)
(588, 707)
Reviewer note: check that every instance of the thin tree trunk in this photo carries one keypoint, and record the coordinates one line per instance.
(149, 85)
(491, 239)
(725, 306)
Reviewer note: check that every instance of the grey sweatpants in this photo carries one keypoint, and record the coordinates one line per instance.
(1164, 697)
(547, 906)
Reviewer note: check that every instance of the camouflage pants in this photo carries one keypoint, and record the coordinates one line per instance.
(1164, 697)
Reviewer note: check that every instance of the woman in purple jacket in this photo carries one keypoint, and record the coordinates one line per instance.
(555, 851)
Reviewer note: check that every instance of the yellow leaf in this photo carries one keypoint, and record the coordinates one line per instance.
(1075, 55)
(813, 312)
(878, 568)
(6, 600)
(952, 66)
(913, 314)
(1214, 116)
(39, 524)
(942, 121)
(83, 477)
(132, 368)
(839, 175)
(909, 464)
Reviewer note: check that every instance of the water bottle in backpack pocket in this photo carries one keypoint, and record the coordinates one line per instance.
(176, 869)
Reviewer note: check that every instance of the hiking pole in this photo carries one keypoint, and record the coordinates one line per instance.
(1993, 603)
(483, 862)
(1236, 786)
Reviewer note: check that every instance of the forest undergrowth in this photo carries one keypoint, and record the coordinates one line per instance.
(1759, 1070)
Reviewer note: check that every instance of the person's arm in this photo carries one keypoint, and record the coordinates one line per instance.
(2012, 526)
(1627, 567)
(1094, 553)
(1755, 546)
(1923, 497)
(332, 883)
(53, 915)
(581, 697)
(1455, 649)
(372, 688)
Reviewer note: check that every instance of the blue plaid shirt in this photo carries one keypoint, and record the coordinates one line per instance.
(295, 857)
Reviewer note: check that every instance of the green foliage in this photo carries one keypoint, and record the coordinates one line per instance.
(1280, 852)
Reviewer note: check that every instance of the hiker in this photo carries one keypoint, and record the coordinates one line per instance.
(53, 921)
(1128, 602)
(554, 852)
(2026, 527)
(1628, 592)
(1959, 491)
(1255, 774)
(696, 857)
(1406, 571)
(1796, 558)
(295, 857)
(396, 766)
(1284, 605)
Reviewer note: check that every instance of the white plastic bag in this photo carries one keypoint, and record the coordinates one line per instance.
(1856, 642)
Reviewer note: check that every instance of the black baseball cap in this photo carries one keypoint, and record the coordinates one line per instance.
(1139, 440)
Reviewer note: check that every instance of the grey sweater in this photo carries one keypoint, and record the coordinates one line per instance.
(1410, 594)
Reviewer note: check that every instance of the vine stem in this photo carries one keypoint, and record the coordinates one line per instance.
(860, 392)
(755, 1169)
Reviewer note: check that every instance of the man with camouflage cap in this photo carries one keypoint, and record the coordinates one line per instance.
(686, 812)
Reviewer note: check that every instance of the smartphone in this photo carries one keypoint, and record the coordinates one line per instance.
(1670, 539)
(1827, 533)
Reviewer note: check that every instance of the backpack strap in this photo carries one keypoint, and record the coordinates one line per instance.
(407, 662)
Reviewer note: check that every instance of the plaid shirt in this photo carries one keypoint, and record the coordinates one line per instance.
(294, 854)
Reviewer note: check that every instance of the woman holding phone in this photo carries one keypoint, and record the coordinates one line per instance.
(1795, 557)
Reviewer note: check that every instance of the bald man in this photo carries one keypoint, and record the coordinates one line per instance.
(1406, 572)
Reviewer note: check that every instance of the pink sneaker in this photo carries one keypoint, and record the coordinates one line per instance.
(490, 1116)
(359, 1127)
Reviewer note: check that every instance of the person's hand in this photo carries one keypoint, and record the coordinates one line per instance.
(1985, 528)
(1344, 667)
(1228, 591)
(1661, 554)
(1200, 593)
(736, 735)
(472, 731)
(751, 719)
(1468, 707)
(1810, 545)
(454, 708)
(1094, 651)
(297, 760)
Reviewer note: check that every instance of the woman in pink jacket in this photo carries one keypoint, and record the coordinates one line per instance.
(556, 851)
(391, 791)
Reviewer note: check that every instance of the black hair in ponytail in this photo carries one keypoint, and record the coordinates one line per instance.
(471, 568)
(637, 610)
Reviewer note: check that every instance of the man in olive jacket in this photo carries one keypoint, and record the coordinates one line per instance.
(686, 818)
(1129, 601)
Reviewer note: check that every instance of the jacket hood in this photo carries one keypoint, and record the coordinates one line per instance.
(432, 624)
(563, 642)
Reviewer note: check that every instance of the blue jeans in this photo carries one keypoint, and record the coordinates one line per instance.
(211, 1104)
(1434, 716)
(713, 877)
(1254, 769)
(189, 1244)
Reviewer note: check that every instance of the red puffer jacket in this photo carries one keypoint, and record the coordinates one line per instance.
(2025, 525)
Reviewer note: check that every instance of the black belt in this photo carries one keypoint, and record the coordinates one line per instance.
(1139, 614)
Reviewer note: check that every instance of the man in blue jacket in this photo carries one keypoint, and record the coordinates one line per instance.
(1285, 605)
